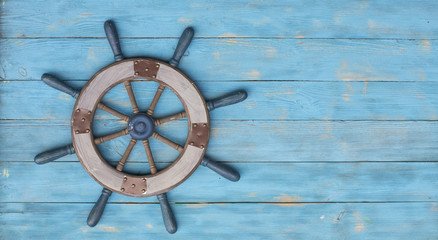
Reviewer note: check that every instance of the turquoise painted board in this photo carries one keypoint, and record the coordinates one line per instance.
(337, 139)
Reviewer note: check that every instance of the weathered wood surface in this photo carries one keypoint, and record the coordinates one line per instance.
(337, 139)
(261, 141)
(292, 182)
(220, 19)
(266, 101)
(216, 59)
(229, 221)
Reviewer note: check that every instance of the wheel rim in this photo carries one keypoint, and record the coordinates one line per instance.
(191, 154)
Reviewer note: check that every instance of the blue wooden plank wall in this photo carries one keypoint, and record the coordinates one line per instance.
(338, 138)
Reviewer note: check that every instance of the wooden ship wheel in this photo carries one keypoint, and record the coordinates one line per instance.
(141, 127)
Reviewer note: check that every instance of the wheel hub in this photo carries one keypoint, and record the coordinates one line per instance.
(141, 126)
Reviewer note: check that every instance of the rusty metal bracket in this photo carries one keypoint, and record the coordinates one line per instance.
(81, 121)
(146, 68)
(135, 186)
(200, 134)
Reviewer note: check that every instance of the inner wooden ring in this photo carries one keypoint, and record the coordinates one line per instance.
(181, 168)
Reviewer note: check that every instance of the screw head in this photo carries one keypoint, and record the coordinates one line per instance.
(136, 73)
(202, 146)
(143, 190)
(154, 76)
(122, 189)
(195, 125)
(204, 125)
(192, 143)
(83, 119)
(78, 110)
(144, 179)
(157, 66)
(136, 62)
(77, 131)
(89, 113)
(133, 185)
(125, 179)
(87, 131)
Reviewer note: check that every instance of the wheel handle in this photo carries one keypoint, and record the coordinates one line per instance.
(113, 39)
(51, 155)
(98, 208)
(183, 44)
(228, 99)
(221, 169)
(55, 83)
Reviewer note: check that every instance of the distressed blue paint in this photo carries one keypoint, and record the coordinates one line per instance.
(266, 100)
(342, 109)
(280, 19)
(292, 182)
(229, 221)
(215, 59)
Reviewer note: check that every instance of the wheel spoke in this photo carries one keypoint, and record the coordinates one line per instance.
(170, 118)
(167, 141)
(150, 156)
(125, 156)
(103, 139)
(131, 96)
(154, 102)
(107, 109)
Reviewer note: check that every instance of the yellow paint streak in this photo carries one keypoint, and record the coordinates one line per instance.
(364, 89)
(230, 35)
(425, 45)
(252, 194)
(271, 52)
(299, 36)
(200, 205)
(287, 198)
(5, 173)
(185, 20)
(359, 228)
(91, 55)
(360, 225)
(254, 74)
(346, 97)
(149, 226)
(64, 97)
(84, 15)
(108, 229)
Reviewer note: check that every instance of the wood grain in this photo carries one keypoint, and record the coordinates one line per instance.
(337, 139)
(244, 221)
(266, 100)
(292, 182)
(223, 19)
(283, 141)
(215, 59)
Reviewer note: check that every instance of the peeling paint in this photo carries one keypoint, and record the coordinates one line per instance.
(287, 198)
(252, 194)
(254, 74)
(108, 229)
(185, 20)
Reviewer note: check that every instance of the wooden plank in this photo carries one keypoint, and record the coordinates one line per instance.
(264, 141)
(266, 100)
(290, 18)
(215, 59)
(242, 221)
(260, 182)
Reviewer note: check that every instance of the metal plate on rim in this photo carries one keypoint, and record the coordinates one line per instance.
(194, 105)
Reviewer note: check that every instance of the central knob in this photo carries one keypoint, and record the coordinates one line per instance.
(141, 126)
